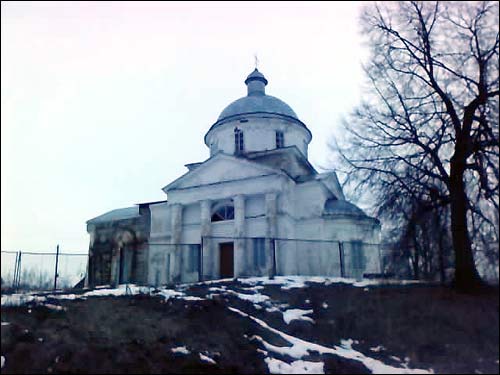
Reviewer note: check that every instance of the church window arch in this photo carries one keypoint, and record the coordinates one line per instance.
(280, 139)
(223, 211)
(239, 144)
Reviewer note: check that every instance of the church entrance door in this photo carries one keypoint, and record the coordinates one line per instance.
(226, 259)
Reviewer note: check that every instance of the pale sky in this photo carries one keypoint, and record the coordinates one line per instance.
(104, 102)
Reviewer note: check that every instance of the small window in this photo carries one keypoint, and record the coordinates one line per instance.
(259, 252)
(225, 212)
(280, 140)
(238, 141)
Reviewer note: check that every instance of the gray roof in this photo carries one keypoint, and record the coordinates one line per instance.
(118, 214)
(257, 104)
(256, 75)
(342, 208)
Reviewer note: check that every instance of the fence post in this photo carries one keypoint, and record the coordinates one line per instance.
(55, 274)
(19, 271)
(341, 257)
(380, 265)
(15, 272)
(273, 253)
(200, 261)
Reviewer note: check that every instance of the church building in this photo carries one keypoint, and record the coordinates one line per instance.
(255, 207)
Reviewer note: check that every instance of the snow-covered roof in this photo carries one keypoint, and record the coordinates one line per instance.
(342, 207)
(118, 214)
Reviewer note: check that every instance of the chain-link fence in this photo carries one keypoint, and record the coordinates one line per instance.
(174, 263)
(351, 259)
(225, 257)
(27, 270)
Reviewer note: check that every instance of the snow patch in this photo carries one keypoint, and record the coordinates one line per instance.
(272, 309)
(254, 298)
(20, 299)
(297, 314)
(122, 290)
(54, 307)
(181, 350)
(297, 367)
(169, 293)
(217, 289)
(301, 348)
(191, 298)
(207, 359)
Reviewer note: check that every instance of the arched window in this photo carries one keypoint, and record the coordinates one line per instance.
(280, 140)
(223, 211)
(239, 145)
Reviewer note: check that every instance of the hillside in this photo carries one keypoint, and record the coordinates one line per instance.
(286, 325)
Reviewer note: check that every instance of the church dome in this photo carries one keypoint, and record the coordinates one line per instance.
(257, 122)
(342, 208)
(257, 102)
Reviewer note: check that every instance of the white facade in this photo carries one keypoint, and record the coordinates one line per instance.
(270, 197)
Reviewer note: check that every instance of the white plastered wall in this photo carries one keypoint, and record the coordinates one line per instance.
(259, 134)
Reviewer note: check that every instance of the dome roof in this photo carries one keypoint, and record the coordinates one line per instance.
(343, 208)
(257, 104)
(256, 75)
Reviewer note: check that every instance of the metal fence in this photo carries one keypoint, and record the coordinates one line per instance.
(223, 257)
(174, 263)
(28, 270)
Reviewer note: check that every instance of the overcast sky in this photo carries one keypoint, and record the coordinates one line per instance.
(104, 103)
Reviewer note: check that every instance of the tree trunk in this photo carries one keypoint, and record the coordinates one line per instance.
(442, 274)
(416, 259)
(466, 275)
(440, 234)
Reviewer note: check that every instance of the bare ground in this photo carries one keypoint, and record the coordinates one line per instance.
(425, 327)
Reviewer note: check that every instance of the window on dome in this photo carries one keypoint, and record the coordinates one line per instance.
(280, 140)
(238, 141)
(223, 212)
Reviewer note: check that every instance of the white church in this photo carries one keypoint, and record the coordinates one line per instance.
(255, 207)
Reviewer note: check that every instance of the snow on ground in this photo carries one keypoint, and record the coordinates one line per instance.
(191, 298)
(254, 288)
(54, 307)
(207, 359)
(121, 290)
(297, 314)
(181, 350)
(254, 298)
(290, 282)
(169, 293)
(377, 348)
(20, 299)
(296, 367)
(301, 348)
(286, 282)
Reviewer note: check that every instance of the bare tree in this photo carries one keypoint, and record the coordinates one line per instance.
(428, 129)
